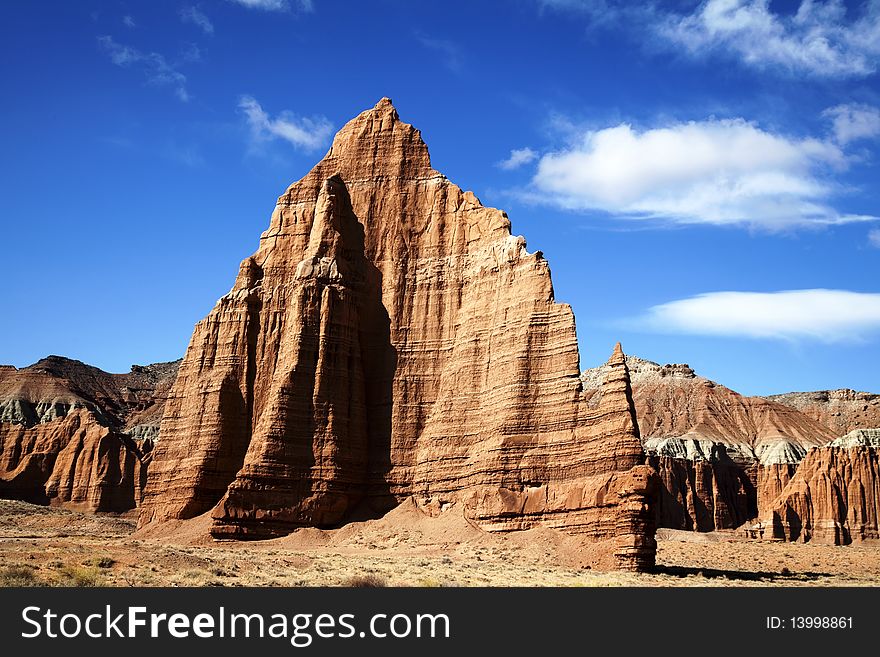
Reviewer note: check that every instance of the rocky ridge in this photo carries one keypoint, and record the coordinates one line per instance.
(841, 410)
(833, 497)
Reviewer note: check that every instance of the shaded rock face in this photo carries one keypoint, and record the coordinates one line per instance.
(833, 498)
(841, 411)
(73, 435)
(721, 457)
(704, 495)
(308, 453)
(391, 339)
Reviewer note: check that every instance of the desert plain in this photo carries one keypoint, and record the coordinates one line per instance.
(44, 546)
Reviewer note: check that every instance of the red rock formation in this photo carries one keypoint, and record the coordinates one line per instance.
(772, 480)
(720, 456)
(834, 498)
(389, 339)
(72, 461)
(636, 546)
(704, 495)
(841, 411)
(73, 435)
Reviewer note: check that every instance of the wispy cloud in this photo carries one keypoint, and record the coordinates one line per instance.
(306, 6)
(596, 12)
(450, 52)
(794, 315)
(822, 39)
(703, 172)
(855, 121)
(819, 39)
(874, 238)
(154, 66)
(197, 17)
(302, 132)
(518, 157)
(128, 21)
(187, 155)
(191, 53)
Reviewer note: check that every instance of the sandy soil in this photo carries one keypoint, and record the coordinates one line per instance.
(41, 546)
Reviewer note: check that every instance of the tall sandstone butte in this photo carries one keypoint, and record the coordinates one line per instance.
(389, 339)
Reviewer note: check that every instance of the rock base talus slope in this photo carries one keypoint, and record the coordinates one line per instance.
(390, 339)
(833, 498)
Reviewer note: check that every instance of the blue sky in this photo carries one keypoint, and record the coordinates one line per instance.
(702, 177)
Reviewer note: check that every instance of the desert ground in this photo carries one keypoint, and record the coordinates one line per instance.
(41, 546)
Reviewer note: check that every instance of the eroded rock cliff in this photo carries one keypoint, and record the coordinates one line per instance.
(721, 456)
(391, 339)
(834, 497)
(73, 435)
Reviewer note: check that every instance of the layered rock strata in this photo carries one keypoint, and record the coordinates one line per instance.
(76, 436)
(721, 457)
(389, 339)
(841, 411)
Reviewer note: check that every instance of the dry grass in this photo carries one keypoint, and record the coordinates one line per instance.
(80, 576)
(40, 547)
(370, 581)
(18, 575)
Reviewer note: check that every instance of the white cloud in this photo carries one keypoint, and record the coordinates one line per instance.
(192, 53)
(128, 21)
(818, 314)
(819, 39)
(155, 67)
(708, 172)
(198, 18)
(306, 133)
(518, 157)
(852, 122)
(276, 5)
(874, 238)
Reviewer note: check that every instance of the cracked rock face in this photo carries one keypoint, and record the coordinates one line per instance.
(390, 339)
